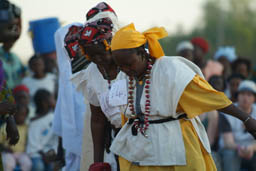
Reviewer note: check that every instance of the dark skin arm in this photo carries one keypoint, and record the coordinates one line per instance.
(234, 111)
(7, 108)
(12, 131)
(98, 124)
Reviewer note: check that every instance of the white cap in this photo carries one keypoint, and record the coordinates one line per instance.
(228, 52)
(184, 45)
(247, 85)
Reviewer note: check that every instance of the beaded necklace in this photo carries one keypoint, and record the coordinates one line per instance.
(141, 127)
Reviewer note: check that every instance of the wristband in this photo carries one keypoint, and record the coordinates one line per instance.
(247, 119)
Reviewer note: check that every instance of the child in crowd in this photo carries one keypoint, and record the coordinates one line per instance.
(39, 78)
(242, 66)
(21, 95)
(14, 155)
(232, 86)
(40, 136)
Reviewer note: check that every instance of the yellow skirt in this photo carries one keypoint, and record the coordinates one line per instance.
(197, 157)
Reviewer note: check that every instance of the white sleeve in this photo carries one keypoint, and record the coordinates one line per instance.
(92, 96)
(57, 120)
(34, 139)
(52, 144)
(82, 81)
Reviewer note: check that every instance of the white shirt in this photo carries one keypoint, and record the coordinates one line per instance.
(70, 108)
(164, 145)
(40, 136)
(92, 84)
(33, 84)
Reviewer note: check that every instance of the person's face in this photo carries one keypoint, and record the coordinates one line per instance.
(22, 98)
(98, 54)
(103, 59)
(49, 103)
(226, 65)
(130, 62)
(10, 31)
(21, 115)
(188, 54)
(223, 60)
(242, 69)
(198, 53)
(50, 61)
(246, 99)
(37, 66)
(233, 85)
(219, 84)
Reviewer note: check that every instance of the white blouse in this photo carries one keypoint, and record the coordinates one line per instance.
(164, 145)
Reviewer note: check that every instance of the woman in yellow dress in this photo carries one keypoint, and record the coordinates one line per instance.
(165, 96)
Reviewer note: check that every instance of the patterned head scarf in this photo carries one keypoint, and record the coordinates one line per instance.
(99, 31)
(103, 10)
(101, 7)
(128, 37)
(71, 41)
(71, 44)
(100, 11)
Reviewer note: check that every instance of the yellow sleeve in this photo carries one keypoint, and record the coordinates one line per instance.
(199, 97)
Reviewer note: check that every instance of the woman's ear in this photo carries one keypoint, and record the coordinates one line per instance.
(141, 51)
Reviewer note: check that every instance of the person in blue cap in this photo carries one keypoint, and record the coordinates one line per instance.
(10, 26)
(43, 31)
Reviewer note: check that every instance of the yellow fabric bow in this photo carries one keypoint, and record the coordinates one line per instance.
(128, 37)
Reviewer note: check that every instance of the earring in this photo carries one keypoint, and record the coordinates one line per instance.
(107, 47)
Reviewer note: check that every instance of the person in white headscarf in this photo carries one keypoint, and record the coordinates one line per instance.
(70, 107)
(185, 49)
(226, 55)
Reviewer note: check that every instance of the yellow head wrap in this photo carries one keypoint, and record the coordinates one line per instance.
(127, 37)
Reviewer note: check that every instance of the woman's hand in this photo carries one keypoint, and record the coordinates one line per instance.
(246, 152)
(12, 131)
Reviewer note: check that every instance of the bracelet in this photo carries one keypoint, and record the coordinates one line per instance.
(247, 119)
